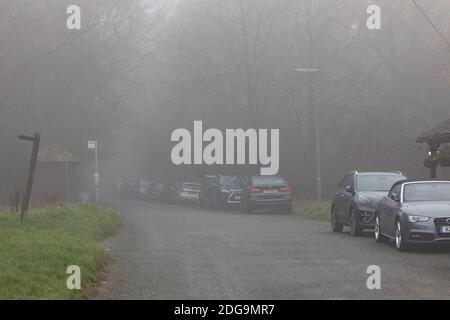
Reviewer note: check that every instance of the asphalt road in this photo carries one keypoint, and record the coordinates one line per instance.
(182, 252)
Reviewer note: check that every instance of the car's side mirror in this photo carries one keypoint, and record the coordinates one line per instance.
(349, 189)
(394, 197)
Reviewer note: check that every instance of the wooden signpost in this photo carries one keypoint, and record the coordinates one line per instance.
(33, 161)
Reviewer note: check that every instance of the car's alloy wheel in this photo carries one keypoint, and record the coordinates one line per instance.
(400, 242)
(379, 237)
(335, 225)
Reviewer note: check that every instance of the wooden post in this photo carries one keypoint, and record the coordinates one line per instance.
(33, 161)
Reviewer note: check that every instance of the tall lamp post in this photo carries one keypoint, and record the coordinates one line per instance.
(315, 106)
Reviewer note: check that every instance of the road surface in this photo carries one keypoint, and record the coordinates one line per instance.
(182, 252)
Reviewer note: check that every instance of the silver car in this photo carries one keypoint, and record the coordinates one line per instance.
(186, 192)
(415, 212)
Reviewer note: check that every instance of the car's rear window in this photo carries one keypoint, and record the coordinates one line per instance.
(428, 191)
(373, 182)
(192, 186)
(230, 180)
(267, 180)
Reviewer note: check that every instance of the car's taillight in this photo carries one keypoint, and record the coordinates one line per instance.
(254, 190)
(285, 189)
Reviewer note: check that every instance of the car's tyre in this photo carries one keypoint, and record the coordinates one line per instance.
(220, 204)
(242, 206)
(355, 228)
(335, 225)
(209, 203)
(248, 208)
(206, 202)
(379, 237)
(287, 209)
(401, 243)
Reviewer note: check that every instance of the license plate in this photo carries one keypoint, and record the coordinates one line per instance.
(445, 229)
(271, 191)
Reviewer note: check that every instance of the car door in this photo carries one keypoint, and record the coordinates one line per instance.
(381, 213)
(389, 210)
(338, 200)
(347, 198)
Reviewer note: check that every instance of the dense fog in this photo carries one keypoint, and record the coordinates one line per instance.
(139, 69)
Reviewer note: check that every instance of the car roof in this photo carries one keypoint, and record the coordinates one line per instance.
(378, 173)
(405, 181)
(259, 176)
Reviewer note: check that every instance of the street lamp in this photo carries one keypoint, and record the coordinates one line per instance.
(315, 106)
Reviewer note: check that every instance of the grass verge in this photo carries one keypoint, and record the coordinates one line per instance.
(35, 254)
(316, 210)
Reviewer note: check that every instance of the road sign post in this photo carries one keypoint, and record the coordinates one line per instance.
(94, 146)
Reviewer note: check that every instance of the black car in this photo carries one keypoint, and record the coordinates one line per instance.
(355, 202)
(224, 191)
(415, 212)
(260, 192)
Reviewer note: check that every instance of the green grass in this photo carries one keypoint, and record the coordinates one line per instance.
(34, 255)
(316, 210)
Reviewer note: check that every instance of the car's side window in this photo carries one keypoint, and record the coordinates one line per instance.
(342, 183)
(395, 193)
(351, 181)
(347, 181)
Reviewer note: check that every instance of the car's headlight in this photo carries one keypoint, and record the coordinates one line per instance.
(363, 200)
(415, 219)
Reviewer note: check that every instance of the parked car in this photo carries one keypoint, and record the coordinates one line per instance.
(206, 182)
(355, 202)
(415, 212)
(182, 192)
(259, 192)
(224, 191)
(128, 190)
(144, 188)
(156, 191)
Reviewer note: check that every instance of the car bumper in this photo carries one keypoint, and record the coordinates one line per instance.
(426, 233)
(232, 198)
(187, 197)
(366, 218)
(275, 201)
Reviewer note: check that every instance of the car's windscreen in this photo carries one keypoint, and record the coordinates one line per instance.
(230, 180)
(430, 191)
(267, 180)
(376, 182)
(192, 186)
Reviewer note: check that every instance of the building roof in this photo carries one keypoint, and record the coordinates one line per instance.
(439, 134)
(55, 153)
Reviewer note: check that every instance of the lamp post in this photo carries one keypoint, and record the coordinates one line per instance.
(315, 106)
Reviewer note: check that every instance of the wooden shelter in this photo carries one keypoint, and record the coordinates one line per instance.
(435, 138)
(57, 175)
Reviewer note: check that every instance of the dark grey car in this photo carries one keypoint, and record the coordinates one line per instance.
(264, 192)
(415, 212)
(355, 202)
